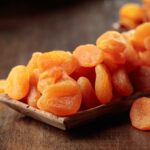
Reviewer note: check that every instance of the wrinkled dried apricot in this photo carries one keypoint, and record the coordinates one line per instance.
(103, 85)
(62, 98)
(89, 98)
(131, 15)
(17, 85)
(88, 55)
(111, 42)
(61, 59)
(140, 114)
(122, 83)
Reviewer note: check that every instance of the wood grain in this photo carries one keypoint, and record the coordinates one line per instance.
(26, 29)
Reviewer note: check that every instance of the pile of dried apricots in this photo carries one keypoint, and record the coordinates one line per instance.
(132, 14)
(62, 83)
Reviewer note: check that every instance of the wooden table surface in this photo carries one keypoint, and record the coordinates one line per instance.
(28, 28)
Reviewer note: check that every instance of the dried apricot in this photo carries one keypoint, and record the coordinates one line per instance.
(122, 83)
(89, 98)
(62, 98)
(131, 15)
(88, 55)
(62, 59)
(103, 85)
(140, 113)
(111, 42)
(17, 85)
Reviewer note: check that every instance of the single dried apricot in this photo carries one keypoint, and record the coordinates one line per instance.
(122, 83)
(140, 113)
(131, 15)
(142, 33)
(17, 85)
(59, 58)
(62, 98)
(32, 64)
(111, 42)
(103, 85)
(88, 55)
(89, 98)
(2, 86)
(33, 96)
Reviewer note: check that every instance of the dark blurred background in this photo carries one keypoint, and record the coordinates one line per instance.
(28, 26)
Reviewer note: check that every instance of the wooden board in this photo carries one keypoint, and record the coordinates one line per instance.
(78, 119)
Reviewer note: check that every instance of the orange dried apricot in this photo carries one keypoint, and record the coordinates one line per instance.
(88, 55)
(122, 83)
(89, 99)
(62, 98)
(17, 85)
(103, 85)
(111, 42)
(140, 113)
(59, 58)
(131, 15)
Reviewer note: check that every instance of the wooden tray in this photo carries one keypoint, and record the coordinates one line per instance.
(78, 119)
